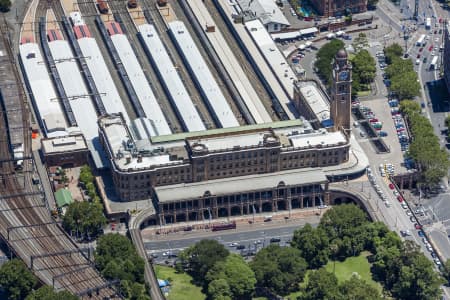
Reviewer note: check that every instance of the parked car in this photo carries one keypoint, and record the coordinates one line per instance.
(383, 133)
(422, 234)
(400, 199)
(418, 226)
(391, 186)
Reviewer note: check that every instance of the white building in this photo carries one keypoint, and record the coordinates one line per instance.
(268, 12)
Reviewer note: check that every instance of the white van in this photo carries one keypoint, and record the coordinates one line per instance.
(417, 61)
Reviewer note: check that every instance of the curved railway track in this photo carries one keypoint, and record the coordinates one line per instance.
(26, 225)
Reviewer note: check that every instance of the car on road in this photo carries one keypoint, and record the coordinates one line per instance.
(430, 48)
(437, 261)
(409, 213)
(421, 233)
(420, 50)
(257, 242)
(234, 244)
(404, 205)
(417, 226)
(240, 247)
(275, 240)
(383, 133)
(400, 199)
(391, 186)
(405, 232)
(424, 59)
(418, 56)
(413, 219)
(433, 254)
(436, 40)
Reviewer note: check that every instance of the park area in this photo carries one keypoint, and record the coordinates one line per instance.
(181, 286)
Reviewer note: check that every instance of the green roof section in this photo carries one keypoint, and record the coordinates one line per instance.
(185, 135)
(63, 197)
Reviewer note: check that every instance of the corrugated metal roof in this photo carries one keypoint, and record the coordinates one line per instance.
(171, 79)
(266, 10)
(203, 76)
(63, 197)
(102, 78)
(81, 103)
(273, 55)
(44, 95)
(140, 84)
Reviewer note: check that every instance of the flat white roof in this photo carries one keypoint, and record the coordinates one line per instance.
(273, 55)
(102, 78)
(285, 35)
(325, 139)
(229, 142)
(230, 9)
(171, 79)
(63, 144)
(202, 74)
(122, 145)
(266, 10)
(44, 95)
(308, 30)
(82, 106)
(224, 186)
(141, 86)
(231, 64)
(316, 101)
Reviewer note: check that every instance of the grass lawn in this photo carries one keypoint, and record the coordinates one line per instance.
(363, 93)
(181, 286)
(344, 271)
(358, 264)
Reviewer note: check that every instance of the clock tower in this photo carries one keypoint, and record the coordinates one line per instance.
(341, 92)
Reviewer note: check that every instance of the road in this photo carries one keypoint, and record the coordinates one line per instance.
(253, 238)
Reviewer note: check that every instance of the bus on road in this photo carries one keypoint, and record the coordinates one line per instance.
(428, 23)
(420, 41)
(433, 64)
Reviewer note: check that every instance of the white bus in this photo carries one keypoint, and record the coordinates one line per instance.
(433, 64)
(428, 23)
(420, 41)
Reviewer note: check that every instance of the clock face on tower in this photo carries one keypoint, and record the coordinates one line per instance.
(343, 75)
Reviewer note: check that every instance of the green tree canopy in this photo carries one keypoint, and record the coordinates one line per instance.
(84, 217)
(325, 56)
(16, 280)
(236, 273)
(117, 258)
(364, 66)
(313, 245)
(321, 285)
(201, 257)
(48, 293)
(5, 5)
(357, 289)
(134, 290)
(279, 269)
(360, 42)
(219, 289)
(393, 51)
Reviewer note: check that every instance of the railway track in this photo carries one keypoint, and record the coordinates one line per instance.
(248, 69)
(160, 25)
(88, 11)
(118, 8)
(26, 225)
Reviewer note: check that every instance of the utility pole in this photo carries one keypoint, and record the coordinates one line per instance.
(416, 10)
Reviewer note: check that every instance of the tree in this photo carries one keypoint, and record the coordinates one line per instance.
(48, 293)
(116, 258)
(364, 66)
(134, 290)
(279, 269)
(84, 218)
(236, 273)
(219, 289)
(393, 51)
(321, 285)
(86, 175)
(313, 245)
(5, 5)
(325, 56)
(357, 289)
(446, 271)
(201, 257)
(406, 85)
(16, 280)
